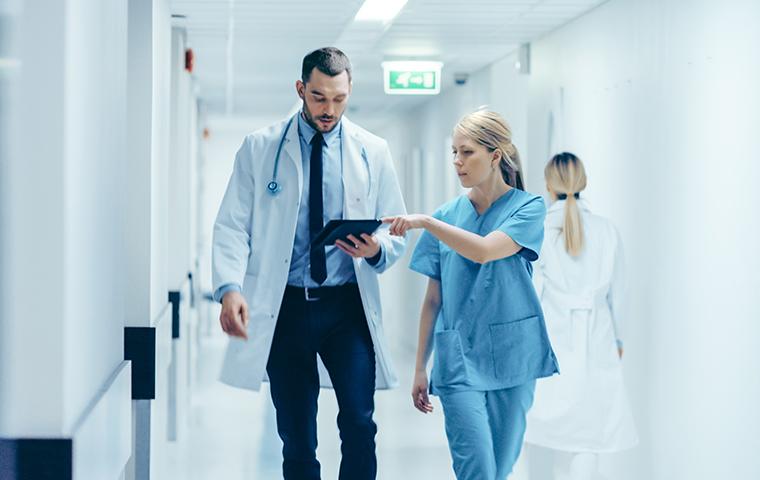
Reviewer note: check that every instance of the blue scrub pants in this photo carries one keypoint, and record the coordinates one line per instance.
(486, 429)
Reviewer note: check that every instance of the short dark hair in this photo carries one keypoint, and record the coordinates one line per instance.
(328, 60)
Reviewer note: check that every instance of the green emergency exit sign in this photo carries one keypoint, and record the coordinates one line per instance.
(412, 78)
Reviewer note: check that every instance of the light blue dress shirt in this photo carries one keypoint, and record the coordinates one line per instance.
(340, 268)
(490, 333)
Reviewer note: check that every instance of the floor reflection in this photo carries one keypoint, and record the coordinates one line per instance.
(232, 433)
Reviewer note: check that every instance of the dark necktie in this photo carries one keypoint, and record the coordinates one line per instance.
(316, 209)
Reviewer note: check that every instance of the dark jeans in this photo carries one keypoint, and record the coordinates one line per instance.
(335, 328)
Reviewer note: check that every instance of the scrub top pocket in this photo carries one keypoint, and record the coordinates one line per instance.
(517, 347)
(450, 369)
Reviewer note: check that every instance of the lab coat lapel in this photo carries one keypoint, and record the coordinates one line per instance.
(292, 150)
(356, 178)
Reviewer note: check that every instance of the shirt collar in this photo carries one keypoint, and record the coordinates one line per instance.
(307, 132)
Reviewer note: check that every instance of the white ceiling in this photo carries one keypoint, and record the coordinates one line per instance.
(267, 40)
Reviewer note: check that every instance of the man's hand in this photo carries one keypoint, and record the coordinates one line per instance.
(367, 247)
(234, 316)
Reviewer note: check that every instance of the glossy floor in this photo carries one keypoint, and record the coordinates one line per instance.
(231, 433)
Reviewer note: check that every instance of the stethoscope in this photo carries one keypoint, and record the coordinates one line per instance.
(274, 187)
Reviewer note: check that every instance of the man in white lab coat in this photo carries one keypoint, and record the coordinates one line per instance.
(299, 313)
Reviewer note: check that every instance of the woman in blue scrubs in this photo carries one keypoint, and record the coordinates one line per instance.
(481, 314)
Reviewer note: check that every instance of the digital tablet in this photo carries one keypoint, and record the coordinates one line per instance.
(341, 229)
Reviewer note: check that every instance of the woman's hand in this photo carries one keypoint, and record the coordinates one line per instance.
(420, 392)
(402, 223)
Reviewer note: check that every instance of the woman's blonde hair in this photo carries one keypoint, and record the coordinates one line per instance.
(566, 177)
(492, 131)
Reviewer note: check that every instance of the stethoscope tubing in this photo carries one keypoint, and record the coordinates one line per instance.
(274, 187)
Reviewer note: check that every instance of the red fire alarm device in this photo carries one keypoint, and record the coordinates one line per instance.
(189, 58)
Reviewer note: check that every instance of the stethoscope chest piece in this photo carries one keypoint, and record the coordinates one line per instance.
(273, 187)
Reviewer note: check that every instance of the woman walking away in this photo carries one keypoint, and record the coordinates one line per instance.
(580, 281)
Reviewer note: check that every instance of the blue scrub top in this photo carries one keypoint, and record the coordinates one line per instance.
(490, 333)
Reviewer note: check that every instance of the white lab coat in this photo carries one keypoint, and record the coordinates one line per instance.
(255, 230)
(585, 408)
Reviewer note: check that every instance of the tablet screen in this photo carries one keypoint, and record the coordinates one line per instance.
(341, 229)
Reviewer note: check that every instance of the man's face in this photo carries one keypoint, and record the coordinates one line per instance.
(324, 99)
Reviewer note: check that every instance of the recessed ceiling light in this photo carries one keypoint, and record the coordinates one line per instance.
(379, 10)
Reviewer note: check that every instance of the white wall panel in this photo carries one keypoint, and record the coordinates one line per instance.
(159, 419)
(138, 178)
(63, 374)
(180, 164)
(62, 316)
(95, 107)
(160, 152)
(102, 442)
(33, 232)
(147, 179)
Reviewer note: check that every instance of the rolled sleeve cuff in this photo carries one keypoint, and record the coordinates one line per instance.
(378, 261)
(221, 291)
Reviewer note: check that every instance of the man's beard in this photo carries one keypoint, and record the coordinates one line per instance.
(311, 121)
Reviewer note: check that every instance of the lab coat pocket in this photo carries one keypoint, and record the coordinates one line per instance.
(450, 367)
(517, 347)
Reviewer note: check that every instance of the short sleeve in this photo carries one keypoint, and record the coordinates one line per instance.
(426, 258)
(526, 227)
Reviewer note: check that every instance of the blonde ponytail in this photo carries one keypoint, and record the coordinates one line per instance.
(573, 228)
(566, 176)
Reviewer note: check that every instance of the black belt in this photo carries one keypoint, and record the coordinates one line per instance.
(317, 293)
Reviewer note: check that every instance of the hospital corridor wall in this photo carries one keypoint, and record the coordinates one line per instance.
(98, 239)
(63, 377)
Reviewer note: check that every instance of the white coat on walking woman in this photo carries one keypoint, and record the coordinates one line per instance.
(580, 280)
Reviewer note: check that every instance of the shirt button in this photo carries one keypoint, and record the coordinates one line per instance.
(287, 260)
